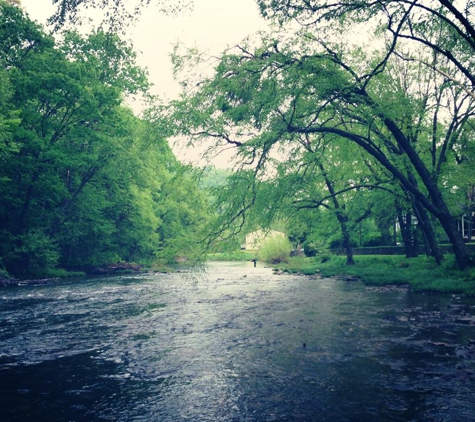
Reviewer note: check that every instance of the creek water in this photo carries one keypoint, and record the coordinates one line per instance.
(233, 343)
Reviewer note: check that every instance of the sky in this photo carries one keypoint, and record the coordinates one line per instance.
(212, 26)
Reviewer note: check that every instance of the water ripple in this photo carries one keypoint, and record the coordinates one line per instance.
(234, 343)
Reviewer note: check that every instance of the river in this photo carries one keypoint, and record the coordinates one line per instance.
(233, 343)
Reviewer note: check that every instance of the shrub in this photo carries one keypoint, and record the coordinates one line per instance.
(34, 252)
(309, 248)
(276, 249)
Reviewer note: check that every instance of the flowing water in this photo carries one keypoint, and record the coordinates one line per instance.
(234, 343)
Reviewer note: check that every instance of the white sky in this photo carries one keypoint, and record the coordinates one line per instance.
(212, 26)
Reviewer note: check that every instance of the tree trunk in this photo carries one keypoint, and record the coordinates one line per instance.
(428, 233)
(469, 226)
(384, 230)
(341, 216)
(460, 251)
(343, 219)
(24, 210)
(437, 205)
(406, 233)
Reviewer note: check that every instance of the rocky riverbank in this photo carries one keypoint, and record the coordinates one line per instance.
(6, 281)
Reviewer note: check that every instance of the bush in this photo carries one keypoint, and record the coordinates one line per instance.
(276, 249)
(309, 248)
(313, 247)
(33, 252)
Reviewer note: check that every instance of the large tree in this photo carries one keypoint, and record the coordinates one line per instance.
(261, 98)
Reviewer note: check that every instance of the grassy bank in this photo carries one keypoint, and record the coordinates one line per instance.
(421, 273)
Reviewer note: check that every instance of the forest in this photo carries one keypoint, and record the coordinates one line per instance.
(83, 181)
(352, 125)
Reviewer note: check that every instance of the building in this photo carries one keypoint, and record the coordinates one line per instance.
(466, 226)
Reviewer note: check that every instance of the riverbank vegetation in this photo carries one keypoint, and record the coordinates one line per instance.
(275, 250)
(421, 274)
(345, 135)
(83, 181)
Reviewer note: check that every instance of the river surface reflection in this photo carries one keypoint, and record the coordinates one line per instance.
(234, 343)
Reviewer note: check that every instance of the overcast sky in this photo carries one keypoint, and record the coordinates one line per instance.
(212, 25)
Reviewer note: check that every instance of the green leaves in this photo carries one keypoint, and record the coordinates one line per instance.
(304, 97)
(18, 35)
(110, 59)
(83, 181)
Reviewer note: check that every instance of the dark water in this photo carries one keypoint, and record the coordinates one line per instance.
(235, 344)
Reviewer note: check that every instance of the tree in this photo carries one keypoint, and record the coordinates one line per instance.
(261, 98)
(443, 30)
(443, 27)
(327, 181)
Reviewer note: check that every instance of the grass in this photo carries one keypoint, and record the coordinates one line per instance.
(421, 273)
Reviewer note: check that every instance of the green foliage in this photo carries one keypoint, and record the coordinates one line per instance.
(420, 274)
(32, 253)
(112, 59)
(275, 249)
(213, 178)
(319, 124)
(83, 181)
(55, 273)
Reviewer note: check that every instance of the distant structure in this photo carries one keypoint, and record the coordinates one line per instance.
(256, 239)
(466, 226)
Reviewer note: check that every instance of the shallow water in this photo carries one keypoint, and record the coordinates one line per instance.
(236, 343)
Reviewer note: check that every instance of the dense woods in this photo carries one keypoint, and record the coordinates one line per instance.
(83, 181)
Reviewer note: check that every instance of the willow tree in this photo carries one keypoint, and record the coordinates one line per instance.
(260, 98)
(332, 175)
(443, 30)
